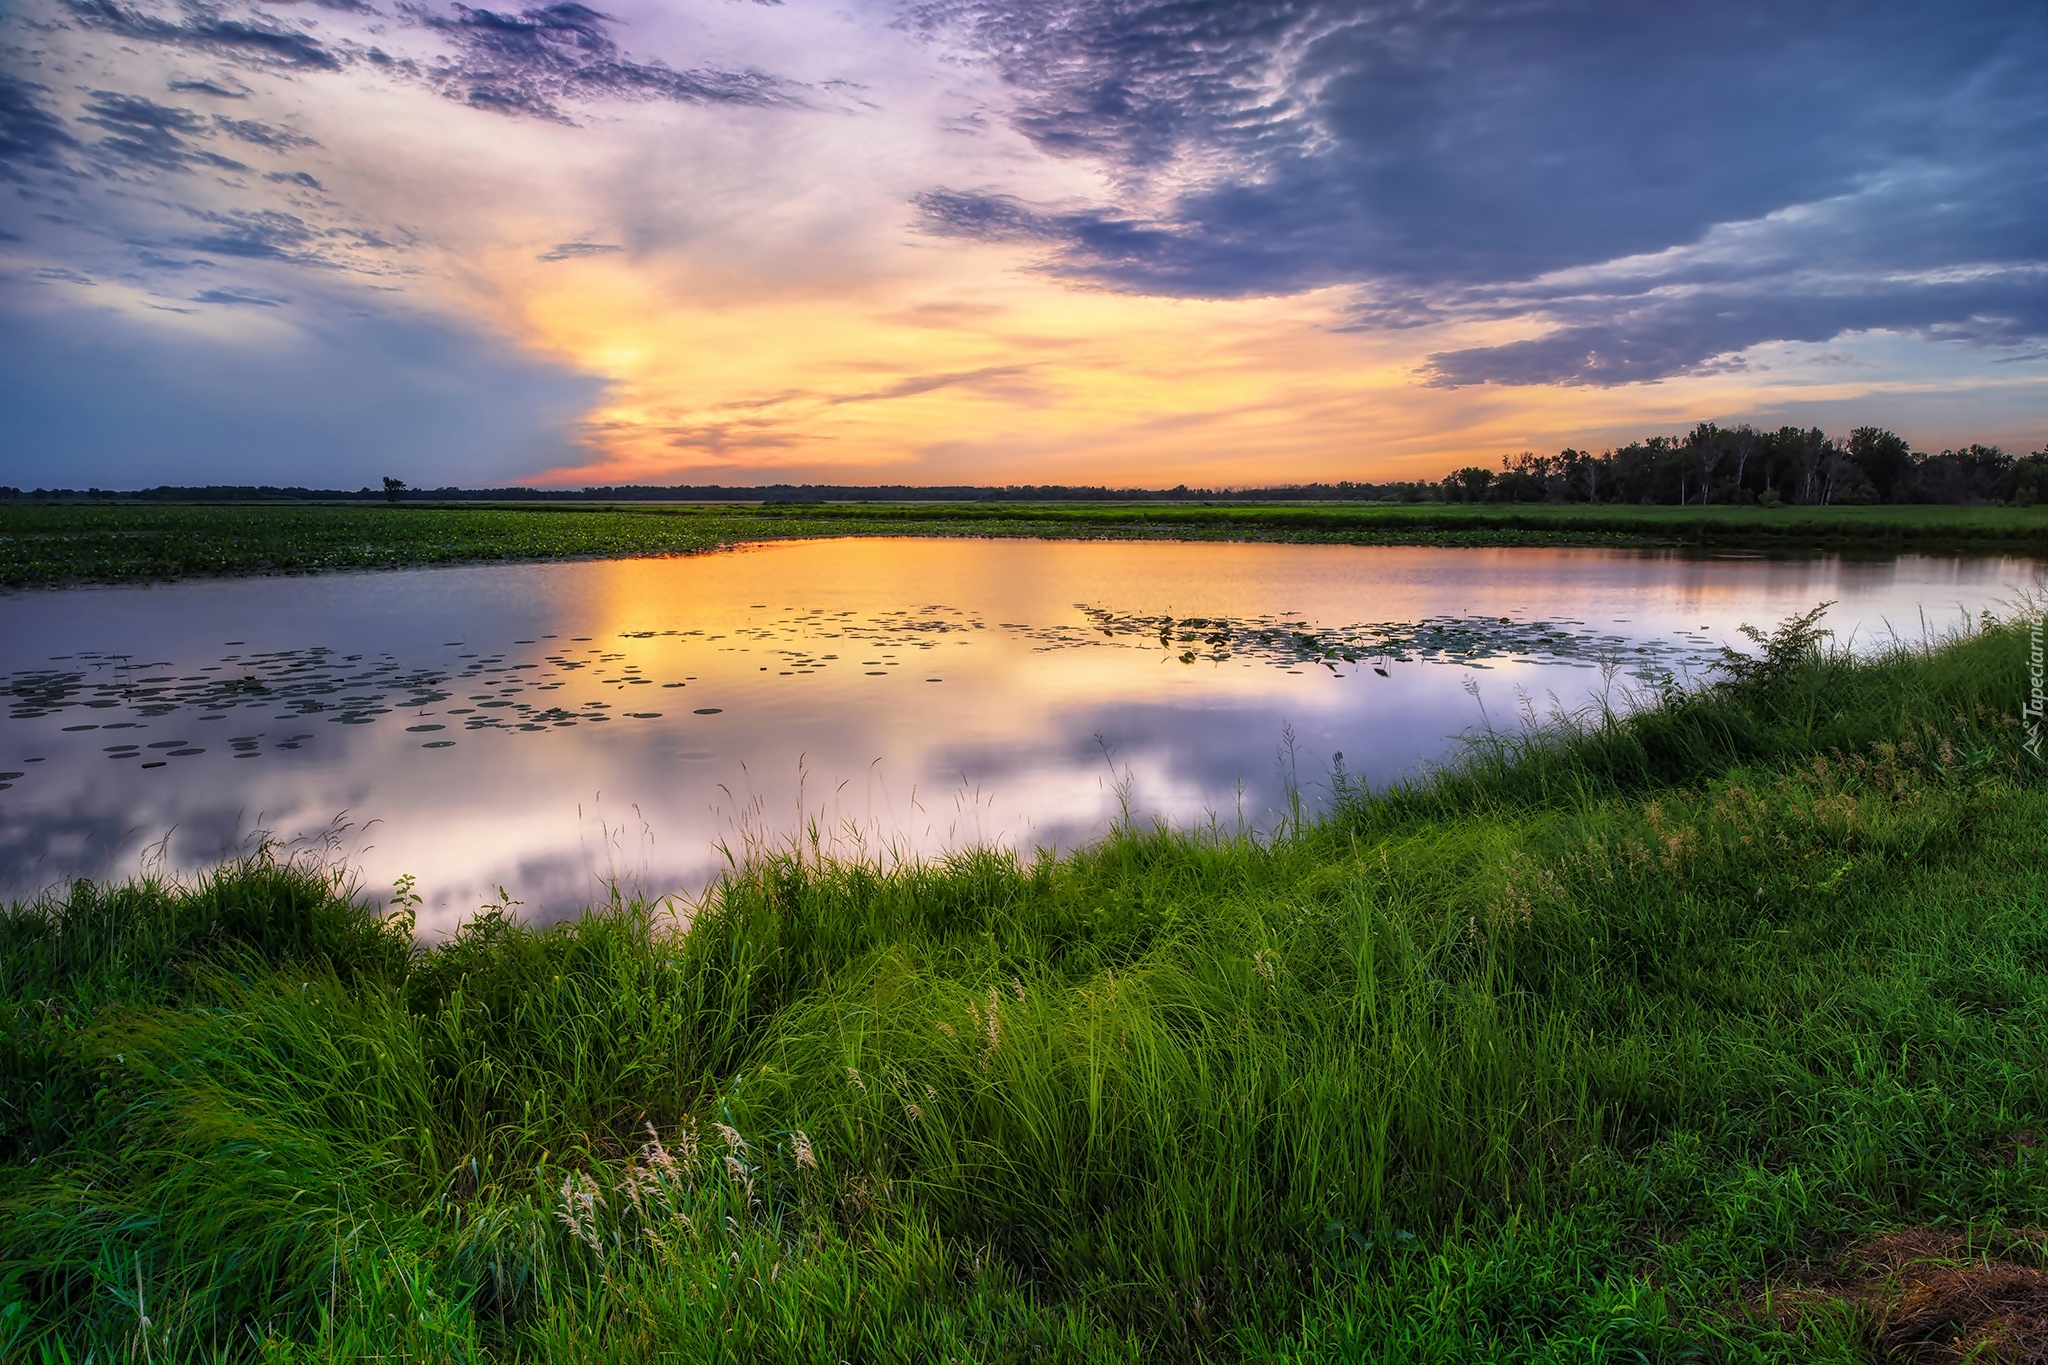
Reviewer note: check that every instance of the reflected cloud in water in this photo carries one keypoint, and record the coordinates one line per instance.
(556, 729)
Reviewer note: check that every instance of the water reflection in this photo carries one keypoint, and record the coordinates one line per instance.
(546, 727)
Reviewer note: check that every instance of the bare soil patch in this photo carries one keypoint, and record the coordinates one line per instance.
(1932, 1297)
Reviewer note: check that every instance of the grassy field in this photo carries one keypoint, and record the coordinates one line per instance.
(47, 544)
(1714, 1031)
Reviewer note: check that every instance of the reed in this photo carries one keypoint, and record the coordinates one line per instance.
(1560, 1053)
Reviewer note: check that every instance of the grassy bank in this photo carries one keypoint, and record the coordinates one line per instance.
(47, 544)
(1707, 1032)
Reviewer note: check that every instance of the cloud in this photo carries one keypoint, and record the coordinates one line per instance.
(990, 216)
(213, 88)
(30, 135)
(124, 113)
(151, 134)
(569, 251)
(910, 387)
(1445, 159)
(263, 134)
(274, 236)
(722, 438)
(1142, 85)
(226, 37)
(1656, 337)
(265, 235)
(234, 297)
(1888, 258)
(537, 60)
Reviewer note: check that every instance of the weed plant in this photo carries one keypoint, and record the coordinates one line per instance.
(1575, 1051)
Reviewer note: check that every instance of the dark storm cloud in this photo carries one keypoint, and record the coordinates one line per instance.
(1138, 82)
(1442, 157)
(1898, 257)
(228, 37)
(30, 135)
(1661, 337)
(535, 61)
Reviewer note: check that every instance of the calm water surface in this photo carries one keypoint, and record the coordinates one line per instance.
(552, 728)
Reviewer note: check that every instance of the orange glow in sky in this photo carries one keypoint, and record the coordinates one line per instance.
(999, 242)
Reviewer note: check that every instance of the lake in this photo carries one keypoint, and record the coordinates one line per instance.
(554, 729)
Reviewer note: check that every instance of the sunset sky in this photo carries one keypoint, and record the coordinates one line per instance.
(1001, 241)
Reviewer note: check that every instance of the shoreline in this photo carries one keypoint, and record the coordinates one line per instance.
(1598, 1037)
(63, 545)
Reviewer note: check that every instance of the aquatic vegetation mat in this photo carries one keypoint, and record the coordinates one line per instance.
(533, 686)
(1466, 640)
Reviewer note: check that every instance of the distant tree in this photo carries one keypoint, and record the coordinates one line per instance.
(1524, 478)
(1990, 473)
(1843, 479)
(1709, 445)
(1743, 441)
(1581, 470)
(393, 488)
(2030, 480)
(1642, 471)
(1472, 482)
(1886, 460)
(1979, 473)
(1810, 450)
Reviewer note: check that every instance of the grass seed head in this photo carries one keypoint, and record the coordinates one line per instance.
(581, 1199)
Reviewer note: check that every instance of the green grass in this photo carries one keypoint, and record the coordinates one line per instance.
(1564, 1055)
(44, 544)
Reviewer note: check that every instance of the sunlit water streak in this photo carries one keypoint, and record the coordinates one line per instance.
(552, 728)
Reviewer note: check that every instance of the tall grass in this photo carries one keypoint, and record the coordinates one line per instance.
(1548, 1055)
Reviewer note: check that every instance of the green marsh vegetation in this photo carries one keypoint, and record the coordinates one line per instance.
(44, 544)
(1647, 1035)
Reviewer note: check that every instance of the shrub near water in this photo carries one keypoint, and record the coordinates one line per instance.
(1559, 1055)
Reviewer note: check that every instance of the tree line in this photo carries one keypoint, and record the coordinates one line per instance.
(1792, 466)
(793, 494)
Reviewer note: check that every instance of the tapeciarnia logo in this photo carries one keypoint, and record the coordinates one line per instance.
(2031, 712)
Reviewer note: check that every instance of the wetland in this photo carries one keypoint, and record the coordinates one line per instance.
(1007, 949)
